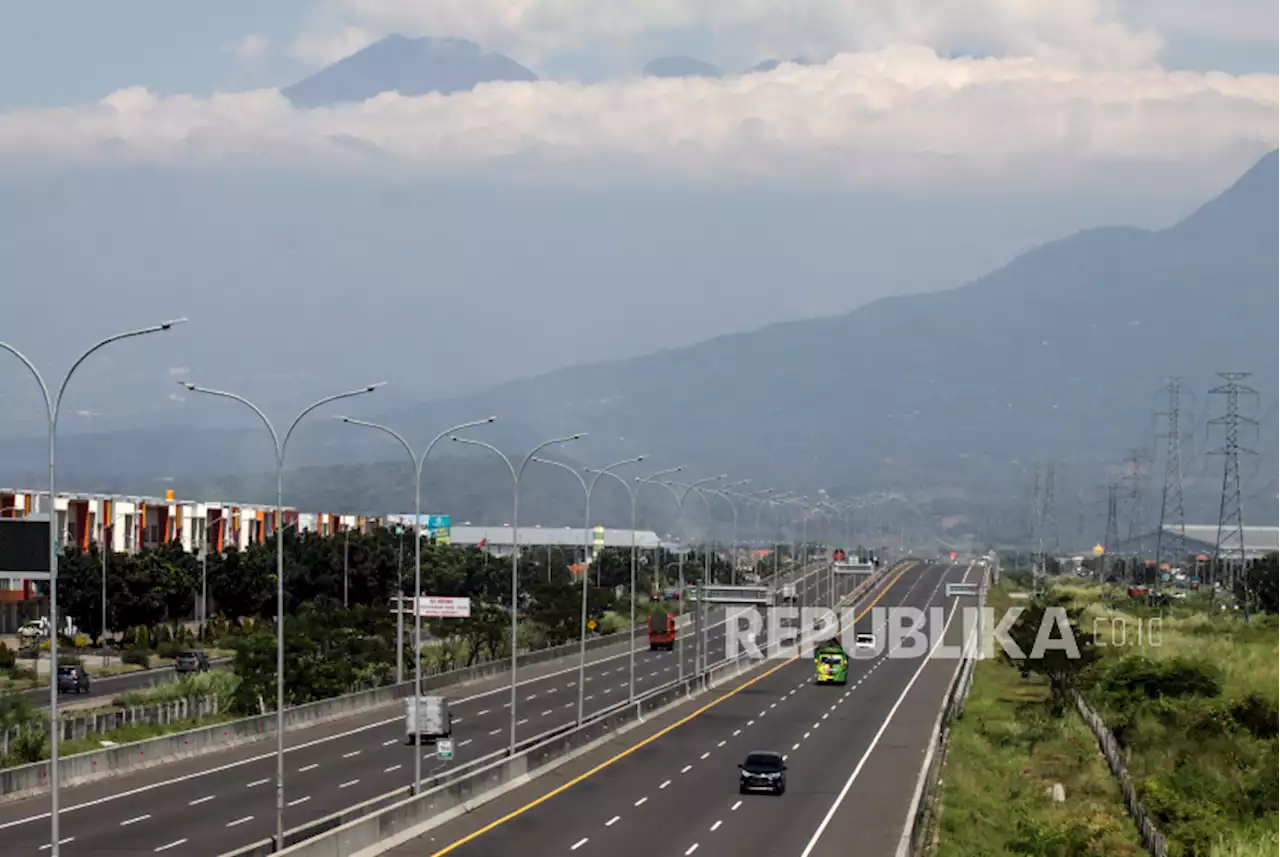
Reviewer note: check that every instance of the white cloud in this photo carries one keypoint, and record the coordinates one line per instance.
(896, 118)
(744, 30)
(249, 49)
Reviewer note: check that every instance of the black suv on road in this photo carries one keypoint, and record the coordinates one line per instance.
(72, 679)
(191, 662)
(763, 771)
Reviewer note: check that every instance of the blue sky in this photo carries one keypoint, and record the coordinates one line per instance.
(69, 52)
(62, 53)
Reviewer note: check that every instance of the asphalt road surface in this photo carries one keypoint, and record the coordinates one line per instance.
(675, 792)
(218, 802)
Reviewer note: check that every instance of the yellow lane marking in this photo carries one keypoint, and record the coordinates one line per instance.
(654, 737)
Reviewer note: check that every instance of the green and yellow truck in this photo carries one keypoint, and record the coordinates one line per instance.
(832, 663)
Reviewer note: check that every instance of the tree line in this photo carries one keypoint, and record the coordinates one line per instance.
(160, 587)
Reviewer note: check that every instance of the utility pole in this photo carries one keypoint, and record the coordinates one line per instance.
(1231, 505)
(1171, 509)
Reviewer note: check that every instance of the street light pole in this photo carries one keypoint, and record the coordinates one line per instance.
(52, 407)
(587, 489)
(680, 498)
(632, 495)
(418, 462)
(279, 447)
(698, 639)
(722, 493)
(516, 473)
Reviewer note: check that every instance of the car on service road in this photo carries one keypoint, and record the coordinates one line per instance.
(864, 641)
(763, 770)
(191, 662)
(72, 679)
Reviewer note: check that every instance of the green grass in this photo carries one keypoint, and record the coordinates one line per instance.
(1204, 762)
(1005, 753)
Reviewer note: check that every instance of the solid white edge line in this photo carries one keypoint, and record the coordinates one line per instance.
(875, 740)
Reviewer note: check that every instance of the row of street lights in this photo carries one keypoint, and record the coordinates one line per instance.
(280, 445)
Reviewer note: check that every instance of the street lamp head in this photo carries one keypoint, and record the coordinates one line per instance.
(187, 385)
(578, 436)
(492, 419)
(165, 325)
(372, 387)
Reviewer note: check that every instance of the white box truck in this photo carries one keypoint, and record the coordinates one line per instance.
(426, 717)
(787, 594)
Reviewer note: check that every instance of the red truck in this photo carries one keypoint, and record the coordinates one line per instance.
(662, 632)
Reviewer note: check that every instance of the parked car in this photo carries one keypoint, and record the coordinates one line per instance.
(72, 679)
(191, 662)
(764, 770)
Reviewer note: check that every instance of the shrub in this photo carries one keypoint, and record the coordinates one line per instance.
(18, 673)
(136, 657)
(8, 660)
(169, 649)
(28, 747)
(68, 660)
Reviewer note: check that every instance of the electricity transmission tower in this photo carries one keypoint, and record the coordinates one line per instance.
(1135, 467)
(1037, 536)
(1048, 513)
(1231, 506)
(1111, 537)
(1171, 510)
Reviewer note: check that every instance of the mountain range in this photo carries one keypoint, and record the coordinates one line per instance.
(418, 66)
(407, 66)
(952, 398)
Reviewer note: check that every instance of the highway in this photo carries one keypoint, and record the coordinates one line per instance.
(221, 801)
(675, 792)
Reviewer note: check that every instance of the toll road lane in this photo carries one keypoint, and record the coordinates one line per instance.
(662, 790)
(216, 807)
(820, 762)
(321, 777)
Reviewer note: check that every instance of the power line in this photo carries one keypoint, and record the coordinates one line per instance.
(1231, 505)
(1171, 507)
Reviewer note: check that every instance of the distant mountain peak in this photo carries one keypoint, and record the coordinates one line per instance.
(1247, 207)
(408, 66)
(679, 66)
